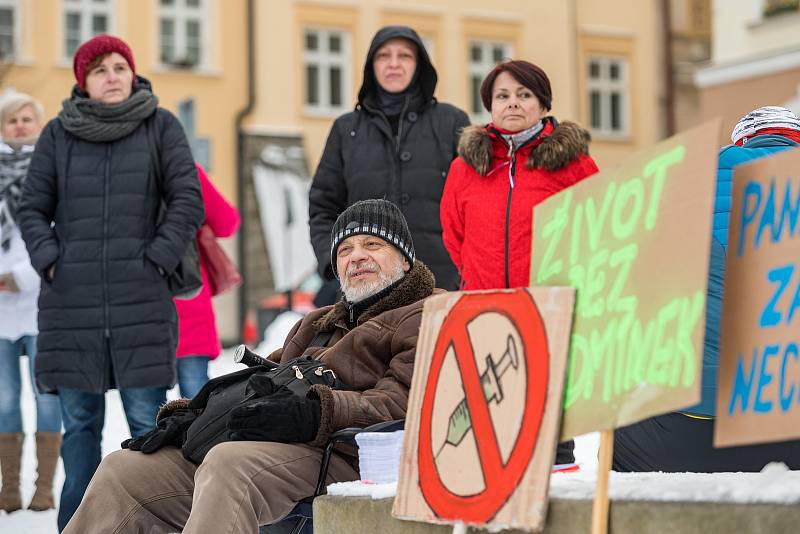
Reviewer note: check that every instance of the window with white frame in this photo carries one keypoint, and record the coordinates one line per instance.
(608, 95)
(483, 56)
(83, 19)
(182, 28)
(326, 69)
(772, 8)
(9, 18)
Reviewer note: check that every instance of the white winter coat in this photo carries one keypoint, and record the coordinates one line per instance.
(18, 310)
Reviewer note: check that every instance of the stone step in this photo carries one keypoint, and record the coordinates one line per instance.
(362, 515)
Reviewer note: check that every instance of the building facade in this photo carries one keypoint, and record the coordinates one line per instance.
(606, 72)
(690, 24)
(258, 84)
(191, 51)
(755, 60)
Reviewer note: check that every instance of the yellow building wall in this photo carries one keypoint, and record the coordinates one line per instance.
(219, 90)
(555, 35)
(535, 28)
(732, 101)
(636, 37)
(741, 30)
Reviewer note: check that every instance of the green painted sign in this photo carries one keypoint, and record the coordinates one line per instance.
(634, 242)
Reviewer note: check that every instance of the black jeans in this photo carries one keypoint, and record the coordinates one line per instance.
(676, 443)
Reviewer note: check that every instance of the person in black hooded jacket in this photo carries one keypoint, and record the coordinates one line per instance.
(89, 216)
(396, 145)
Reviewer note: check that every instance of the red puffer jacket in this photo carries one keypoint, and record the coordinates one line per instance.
(486, 222)
(197, 323)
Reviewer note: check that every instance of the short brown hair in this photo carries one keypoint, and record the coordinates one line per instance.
(93, 64)
(527, 74)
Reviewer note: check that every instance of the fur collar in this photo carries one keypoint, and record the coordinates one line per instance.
(170, 407)
(417, 284)
(554, 152)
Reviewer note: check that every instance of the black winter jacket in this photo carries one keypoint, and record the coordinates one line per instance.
(362, 159)
(107, 318)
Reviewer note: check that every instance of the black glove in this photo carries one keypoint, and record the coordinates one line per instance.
(170, 430)
(282, 417)
(263, 385)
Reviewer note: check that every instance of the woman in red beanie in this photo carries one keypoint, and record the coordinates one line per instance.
(503, 169)
(90, 220)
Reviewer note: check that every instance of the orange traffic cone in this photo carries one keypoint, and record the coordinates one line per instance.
(249, 330)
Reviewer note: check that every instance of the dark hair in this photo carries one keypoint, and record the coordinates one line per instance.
(526, 74)
(93, 64)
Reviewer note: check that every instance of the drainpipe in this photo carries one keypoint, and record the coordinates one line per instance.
(669, 77)
(240, 156)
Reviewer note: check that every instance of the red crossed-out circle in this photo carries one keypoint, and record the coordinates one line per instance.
(500, 480)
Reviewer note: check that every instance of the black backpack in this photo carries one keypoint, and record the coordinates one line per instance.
(219, 396)
(185, 282)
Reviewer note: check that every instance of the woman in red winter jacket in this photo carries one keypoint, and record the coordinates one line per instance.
(504, 169)
(198, 341)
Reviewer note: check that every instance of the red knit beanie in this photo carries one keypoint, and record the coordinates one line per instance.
(97, 46)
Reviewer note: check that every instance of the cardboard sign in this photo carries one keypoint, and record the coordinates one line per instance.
(634, 241)
(484, 408)
(758, 399)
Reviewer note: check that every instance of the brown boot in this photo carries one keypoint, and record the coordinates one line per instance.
(48, 445)
(10, 458)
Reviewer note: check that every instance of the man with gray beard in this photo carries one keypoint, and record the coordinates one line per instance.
(271, 459)
(371, 251)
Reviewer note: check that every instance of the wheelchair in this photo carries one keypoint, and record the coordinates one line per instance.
(300, 519)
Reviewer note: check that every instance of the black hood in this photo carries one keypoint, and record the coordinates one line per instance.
(425, 77)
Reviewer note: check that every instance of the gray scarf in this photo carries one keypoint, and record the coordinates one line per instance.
(94, 121)
(14, 163)
(517, 139)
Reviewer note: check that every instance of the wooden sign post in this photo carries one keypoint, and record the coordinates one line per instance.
(600, 506)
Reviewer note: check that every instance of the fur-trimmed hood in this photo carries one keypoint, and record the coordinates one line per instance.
(417, 284)
(565, 142)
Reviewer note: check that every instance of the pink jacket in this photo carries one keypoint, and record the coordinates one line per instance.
(197, 326)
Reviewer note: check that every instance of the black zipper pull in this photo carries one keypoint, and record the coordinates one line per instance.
(512, 168)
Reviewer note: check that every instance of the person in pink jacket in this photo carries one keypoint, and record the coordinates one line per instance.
(198, 341)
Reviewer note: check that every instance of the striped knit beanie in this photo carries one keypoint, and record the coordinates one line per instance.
(766, 117)
(376, 217)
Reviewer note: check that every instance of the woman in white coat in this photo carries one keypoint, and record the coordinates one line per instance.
(20, 124)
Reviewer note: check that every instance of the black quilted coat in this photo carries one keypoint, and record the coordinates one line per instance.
(107, 318)
(363, 159)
